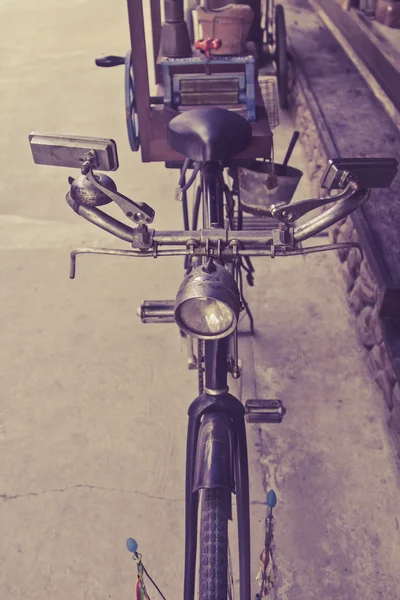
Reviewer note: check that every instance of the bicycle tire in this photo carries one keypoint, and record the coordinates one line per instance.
(213, 544)
(281, 56)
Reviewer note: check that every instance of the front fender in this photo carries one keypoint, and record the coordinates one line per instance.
(214, 453)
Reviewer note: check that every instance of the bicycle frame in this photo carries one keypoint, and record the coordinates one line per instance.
(217, 417)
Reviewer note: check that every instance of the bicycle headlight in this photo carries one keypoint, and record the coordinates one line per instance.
(207, 305)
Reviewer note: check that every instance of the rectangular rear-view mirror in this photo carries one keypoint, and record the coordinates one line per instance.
(60, 150)
(370, 172)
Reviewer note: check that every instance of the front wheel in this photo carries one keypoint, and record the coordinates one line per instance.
(213, 574)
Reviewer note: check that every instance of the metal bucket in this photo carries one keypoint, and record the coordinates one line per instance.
(265, 183)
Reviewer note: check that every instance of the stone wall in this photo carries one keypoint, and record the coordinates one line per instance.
(361, 286)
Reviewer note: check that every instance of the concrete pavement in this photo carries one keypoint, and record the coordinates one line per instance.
(93, 404)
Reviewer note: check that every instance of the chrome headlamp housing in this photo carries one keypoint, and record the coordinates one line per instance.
(207, 305)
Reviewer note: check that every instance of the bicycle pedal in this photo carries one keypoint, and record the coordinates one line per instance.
(264, 411)
(156, 311)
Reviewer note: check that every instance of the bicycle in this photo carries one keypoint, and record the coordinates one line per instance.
(209, 302)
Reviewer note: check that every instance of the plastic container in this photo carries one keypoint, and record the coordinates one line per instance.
(264, 183)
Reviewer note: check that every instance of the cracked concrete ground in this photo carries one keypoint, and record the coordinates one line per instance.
(93, 404)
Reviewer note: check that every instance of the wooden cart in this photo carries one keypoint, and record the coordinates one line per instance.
(151, 115)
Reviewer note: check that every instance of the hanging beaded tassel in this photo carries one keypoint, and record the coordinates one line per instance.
(265, 577)
(141, 592)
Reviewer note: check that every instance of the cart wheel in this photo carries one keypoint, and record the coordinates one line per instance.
(132, 122)
(281, 56)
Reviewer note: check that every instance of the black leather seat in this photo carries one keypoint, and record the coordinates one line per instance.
(209, 134)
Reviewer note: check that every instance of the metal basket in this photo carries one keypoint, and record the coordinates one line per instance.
(265, 183)
(270, 98)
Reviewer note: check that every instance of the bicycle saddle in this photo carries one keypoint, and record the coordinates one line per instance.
(209, 134)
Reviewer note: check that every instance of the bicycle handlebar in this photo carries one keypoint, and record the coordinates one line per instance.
(346, 202)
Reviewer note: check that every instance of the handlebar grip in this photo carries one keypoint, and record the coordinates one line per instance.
(110, 61)
(331, 216)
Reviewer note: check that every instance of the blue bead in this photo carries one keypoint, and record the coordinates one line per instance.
(132, 545)
(271, 499)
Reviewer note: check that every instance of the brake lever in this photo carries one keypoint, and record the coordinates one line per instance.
(287, 213)
(138, 212)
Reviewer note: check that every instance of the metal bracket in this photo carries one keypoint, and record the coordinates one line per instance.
(142, 237)
(138, 212)
(283, 236)
(214, 237)
(287, 213)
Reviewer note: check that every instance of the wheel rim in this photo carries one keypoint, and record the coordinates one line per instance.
(132, 122)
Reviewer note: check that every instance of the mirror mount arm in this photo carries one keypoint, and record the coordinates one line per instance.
(89, 162)
(138, 212)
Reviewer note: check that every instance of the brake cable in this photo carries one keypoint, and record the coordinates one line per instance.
(196, 168)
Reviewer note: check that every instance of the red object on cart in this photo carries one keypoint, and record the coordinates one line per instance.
(207, 45)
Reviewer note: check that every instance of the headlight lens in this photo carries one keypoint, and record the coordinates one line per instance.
(206, 316)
